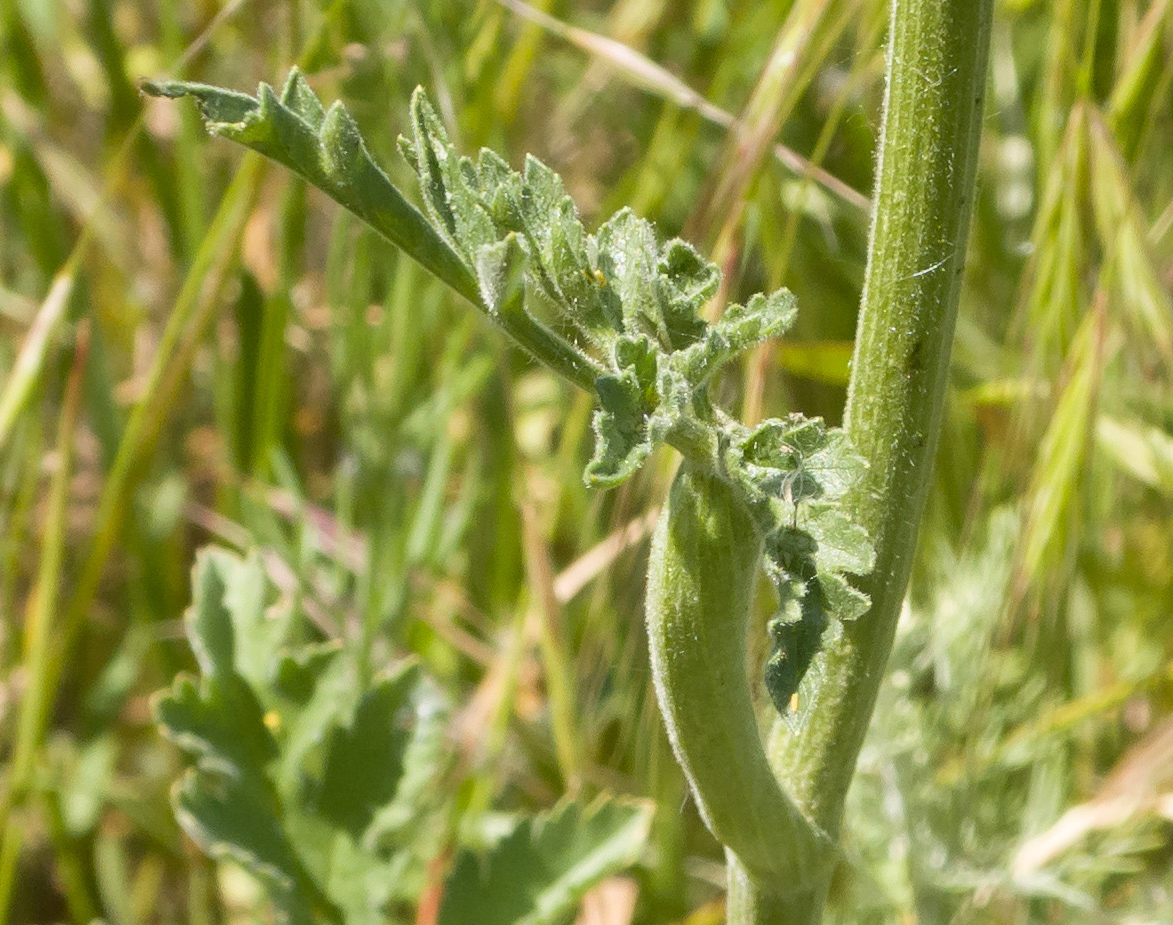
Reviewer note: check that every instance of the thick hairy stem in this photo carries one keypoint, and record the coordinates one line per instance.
(748, 903)
(928, 155)
(701, 579)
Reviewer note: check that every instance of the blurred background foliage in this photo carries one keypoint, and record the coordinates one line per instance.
(194, 348)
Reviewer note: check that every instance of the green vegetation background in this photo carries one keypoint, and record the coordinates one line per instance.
(262, 372)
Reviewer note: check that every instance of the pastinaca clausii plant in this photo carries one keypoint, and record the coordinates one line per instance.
(619, 314)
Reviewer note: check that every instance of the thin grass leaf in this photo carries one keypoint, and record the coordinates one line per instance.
(1143, 451)
(1053, 290)
(1062, 454)
(30, 361)
(39, 632)
(1129, 263)
(1137, 89)
(194, 309)
(641, 71)
(808, 24)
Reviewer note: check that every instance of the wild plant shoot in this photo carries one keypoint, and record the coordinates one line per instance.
(758, 518)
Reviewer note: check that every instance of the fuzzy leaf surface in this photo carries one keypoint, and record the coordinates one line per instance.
(616, 312)
(538, 873)
(323, 789)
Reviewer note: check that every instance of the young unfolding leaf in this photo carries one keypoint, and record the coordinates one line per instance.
(617, 313)
(685, 282)
(794, 471)
(629, 402)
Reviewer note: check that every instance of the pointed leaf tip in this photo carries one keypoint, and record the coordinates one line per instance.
(342, 145)
(171, 89)
(500, 270)
(300, 99)
(217, 107)
(268, 99)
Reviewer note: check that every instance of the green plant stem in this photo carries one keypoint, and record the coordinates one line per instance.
(702, 574)
(928, 156)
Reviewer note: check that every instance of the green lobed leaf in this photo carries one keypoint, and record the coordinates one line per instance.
(800, 468)
(622, 440)
(513, 243)
(316, 690)
(836, 465)
(320, 786)
(219, 721)
(539, 873)
(846, 602)
(325, 148)
(583, 287)
(628, 402)
(431, 155)
(229, 820)
(841, 544)
(450, 184)
(740, 328)
(685, 281)
(500, 269)
(399, 819)
(794, 645)
(208, 621)
(627, 257)
(542, 198)
(796, 630)
(762, 318)
(367, 758)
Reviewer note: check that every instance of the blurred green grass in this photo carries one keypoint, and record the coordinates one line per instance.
(197, 348)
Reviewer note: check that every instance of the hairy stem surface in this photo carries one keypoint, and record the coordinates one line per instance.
(702, 574)
(927, 160)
